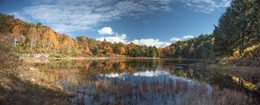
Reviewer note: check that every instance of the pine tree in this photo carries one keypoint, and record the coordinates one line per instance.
(117, 49)
(95, 51)
(234, 30)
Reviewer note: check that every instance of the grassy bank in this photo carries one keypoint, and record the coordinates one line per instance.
(235, 68)
(21, 84)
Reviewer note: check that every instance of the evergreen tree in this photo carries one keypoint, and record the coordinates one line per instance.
(95, 51)
(137, 52)
(153, 51)
(237, 28)
(117, 49)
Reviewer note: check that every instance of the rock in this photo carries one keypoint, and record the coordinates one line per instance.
(32, 80)
(20, 75)
(37, 55)
(31, 69)
(80, 91)
(19, 89)
(46, 61)
(46, 103)
(7, 91)
(258, 86)
(24, 96)
(14, 103)
(35, 101)
(45, 55)
(71, 94)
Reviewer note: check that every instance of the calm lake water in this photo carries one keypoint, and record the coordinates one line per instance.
(153, 82)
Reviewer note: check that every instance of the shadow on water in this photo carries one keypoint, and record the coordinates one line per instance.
(150, 82)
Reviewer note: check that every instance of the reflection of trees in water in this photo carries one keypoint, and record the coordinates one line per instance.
(131, 66)
(222, 80)
(228, 81)
(100, 65)
(88, 68)
(94, 64)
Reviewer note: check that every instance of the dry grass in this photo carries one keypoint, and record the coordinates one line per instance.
(20, 85)
(229, 97)
(221, 67)
(118, 91)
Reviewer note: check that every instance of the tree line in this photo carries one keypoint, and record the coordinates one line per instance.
(237, 34)
(31, 38)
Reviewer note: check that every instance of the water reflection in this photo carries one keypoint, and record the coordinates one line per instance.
(148, 82)
(144, 87)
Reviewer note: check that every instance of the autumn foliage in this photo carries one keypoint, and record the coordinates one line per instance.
(31, 38)
(237, 35)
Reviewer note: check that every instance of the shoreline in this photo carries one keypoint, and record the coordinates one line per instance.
(100, 58)
(46, 60)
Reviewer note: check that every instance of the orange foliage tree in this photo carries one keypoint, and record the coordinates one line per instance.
(122, 50)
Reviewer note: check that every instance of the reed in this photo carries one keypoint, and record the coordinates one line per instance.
(144, 91)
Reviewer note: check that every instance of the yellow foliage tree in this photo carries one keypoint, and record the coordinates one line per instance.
(16, 32)
(66, 43)
(49, 38)
(32, 36)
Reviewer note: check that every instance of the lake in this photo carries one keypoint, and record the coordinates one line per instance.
(153, 82)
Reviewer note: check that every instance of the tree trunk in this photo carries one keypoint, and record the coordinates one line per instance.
(239, 44)
(15, 41)
(31, 44)
(242, 44)
(243, 34)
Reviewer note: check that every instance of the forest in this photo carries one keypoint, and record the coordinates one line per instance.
(237, 35)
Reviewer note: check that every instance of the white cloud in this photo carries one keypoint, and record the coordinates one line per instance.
(117, 38)
(106, 30)
(188, 36)
(151, 42)
(122, 38)
(206, 6)
(78, 15)
(147, 42)
(174, 39)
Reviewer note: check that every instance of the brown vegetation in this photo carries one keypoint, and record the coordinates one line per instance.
(20, 84)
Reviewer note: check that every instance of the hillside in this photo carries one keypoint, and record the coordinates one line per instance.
(31, 38)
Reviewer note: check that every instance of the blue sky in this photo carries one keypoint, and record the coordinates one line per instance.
(144, 22)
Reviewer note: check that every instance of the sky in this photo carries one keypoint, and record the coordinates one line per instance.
(145, 22)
